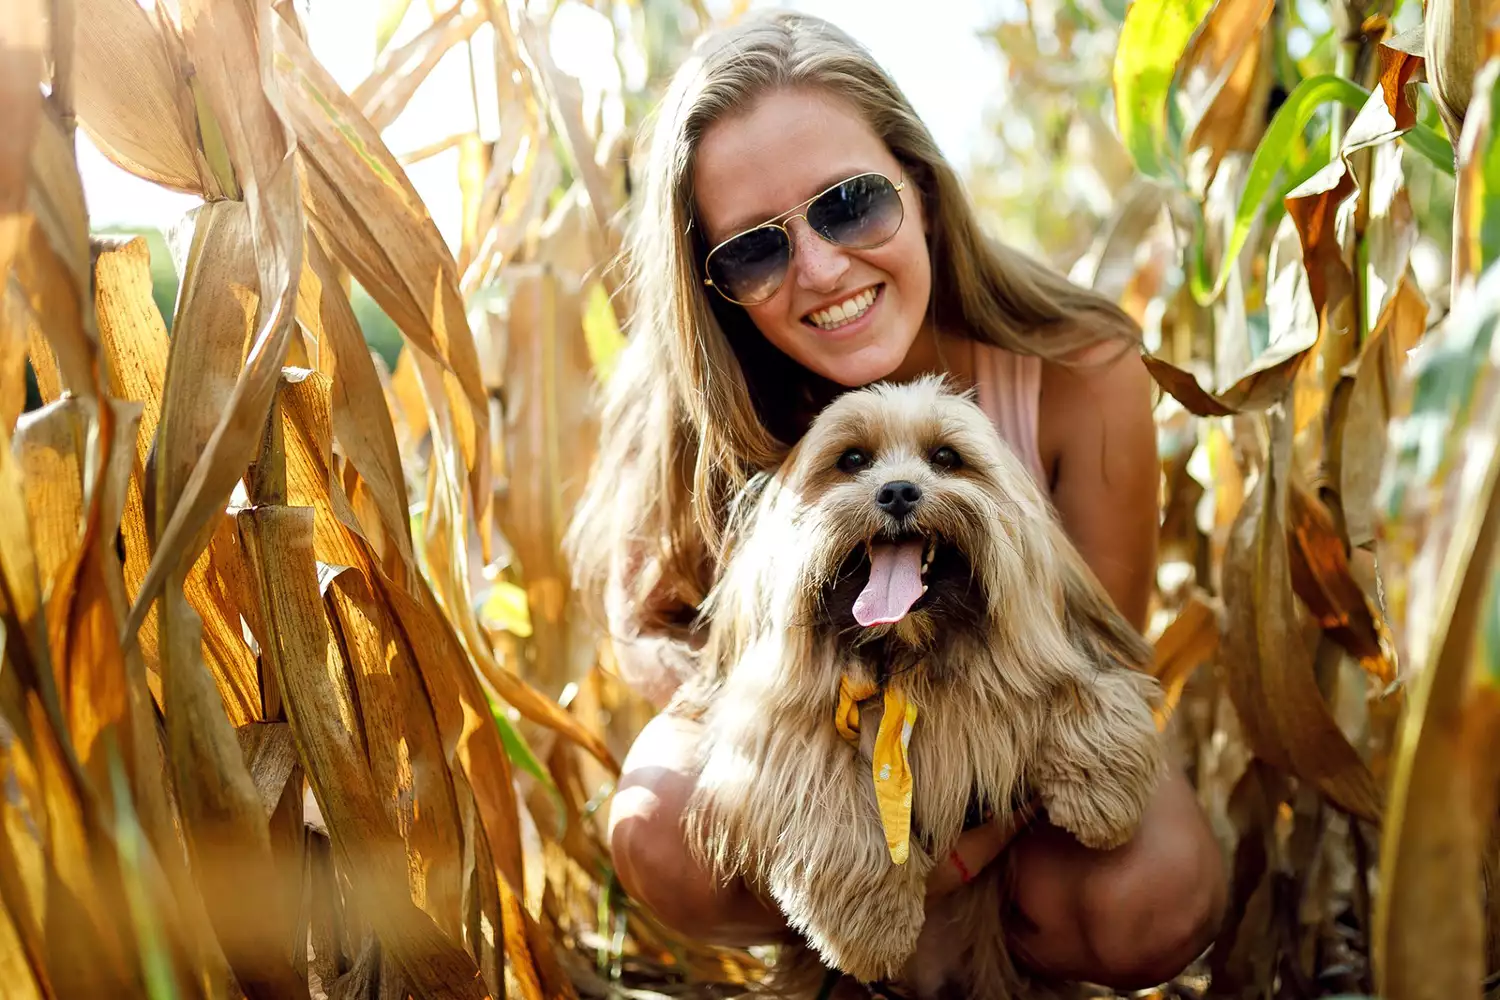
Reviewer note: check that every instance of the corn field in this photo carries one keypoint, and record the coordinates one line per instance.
(295, 698)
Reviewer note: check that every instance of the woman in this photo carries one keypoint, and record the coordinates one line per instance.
(741, 331)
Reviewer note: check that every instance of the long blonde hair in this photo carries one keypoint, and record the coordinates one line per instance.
(700, 400)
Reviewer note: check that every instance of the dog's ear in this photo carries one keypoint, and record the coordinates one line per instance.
(1095, 626)
(726, 638)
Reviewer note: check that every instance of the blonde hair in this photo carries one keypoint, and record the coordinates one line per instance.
(699, 400)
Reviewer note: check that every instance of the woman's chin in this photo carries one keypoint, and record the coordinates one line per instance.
(863, 367)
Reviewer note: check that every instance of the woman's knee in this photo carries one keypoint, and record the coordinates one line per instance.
(646, 838)
(650, 851)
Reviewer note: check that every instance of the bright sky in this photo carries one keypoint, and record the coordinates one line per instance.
(932, 49)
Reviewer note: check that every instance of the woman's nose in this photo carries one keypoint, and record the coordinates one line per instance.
(820, 265)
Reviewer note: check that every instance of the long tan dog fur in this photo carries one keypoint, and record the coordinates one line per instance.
(1027, 685)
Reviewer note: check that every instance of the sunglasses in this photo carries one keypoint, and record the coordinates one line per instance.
(860, 213)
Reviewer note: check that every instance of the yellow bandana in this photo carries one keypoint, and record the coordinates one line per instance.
(889, 763)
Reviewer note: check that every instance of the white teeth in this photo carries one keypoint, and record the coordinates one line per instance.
(843, 312)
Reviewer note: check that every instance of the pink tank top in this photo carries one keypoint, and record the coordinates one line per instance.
(1009, 392)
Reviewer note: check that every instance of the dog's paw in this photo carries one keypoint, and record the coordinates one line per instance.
(860, 922)
(1098, 819)
(867, 945)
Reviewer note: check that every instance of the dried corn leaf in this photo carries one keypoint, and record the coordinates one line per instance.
(373, 220)
(1321, 577)
(22, 45)
(15, 330)
(133, 340)
(206, 444)
(1183, 646)
(399, 72)
(222, 817)
(219, 589)
(54, 268)
(407, 403)
(1372, 400)
(1217, 81)
(462, 713)
(408, 766)
(1263, 383)
(1318, 751)
(279, 544)
(361, 420)
(1401, 65)
(549, 435)
(1428, 934)
(133, 99)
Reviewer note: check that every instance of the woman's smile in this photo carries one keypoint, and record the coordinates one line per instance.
(847, 316)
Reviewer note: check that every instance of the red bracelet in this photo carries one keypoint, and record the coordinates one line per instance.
(958, 862)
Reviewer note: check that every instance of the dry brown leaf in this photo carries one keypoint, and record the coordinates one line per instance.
(22, 45)
(1220, 82)
(550, 432)
(462, 712)
(1183, 646)
(219, 589)
(133, 99)
(1399, 71)
(1317, 750)
(16, 328)
(1371, 403)
(361, 420)
(206, 439)
(53, 268)
(1321, 577)
(133, 341)
(399, 72)
(1241, 657)
(207, 446)
(408, 766)
(223, 820)
(407, 403)
(367, 212)
(279, 544)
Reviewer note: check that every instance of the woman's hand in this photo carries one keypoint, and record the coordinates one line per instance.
(975, 849)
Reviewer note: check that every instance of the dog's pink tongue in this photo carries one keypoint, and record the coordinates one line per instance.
(894, 586)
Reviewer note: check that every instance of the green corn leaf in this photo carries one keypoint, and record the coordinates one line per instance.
(1152, 40)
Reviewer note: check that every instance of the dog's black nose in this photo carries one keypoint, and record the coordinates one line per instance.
(898, 498)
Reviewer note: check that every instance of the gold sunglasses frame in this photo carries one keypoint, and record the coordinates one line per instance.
(798, 211)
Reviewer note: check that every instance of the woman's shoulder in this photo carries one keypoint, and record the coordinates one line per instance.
(1100, 388)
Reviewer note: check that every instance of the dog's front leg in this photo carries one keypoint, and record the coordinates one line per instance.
(1101, 756)
(791, 806)
(838, 886)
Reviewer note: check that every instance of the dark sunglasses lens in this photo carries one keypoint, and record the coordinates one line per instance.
(863, 211)
(750, 267)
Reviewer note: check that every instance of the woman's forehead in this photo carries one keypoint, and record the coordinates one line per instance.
(784, 149)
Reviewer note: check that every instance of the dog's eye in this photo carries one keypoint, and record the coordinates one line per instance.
(946, 458)
(854, 460)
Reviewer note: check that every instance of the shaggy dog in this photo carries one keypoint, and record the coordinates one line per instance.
(902, 572)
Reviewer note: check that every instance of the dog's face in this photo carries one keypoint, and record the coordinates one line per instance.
(899, 521)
